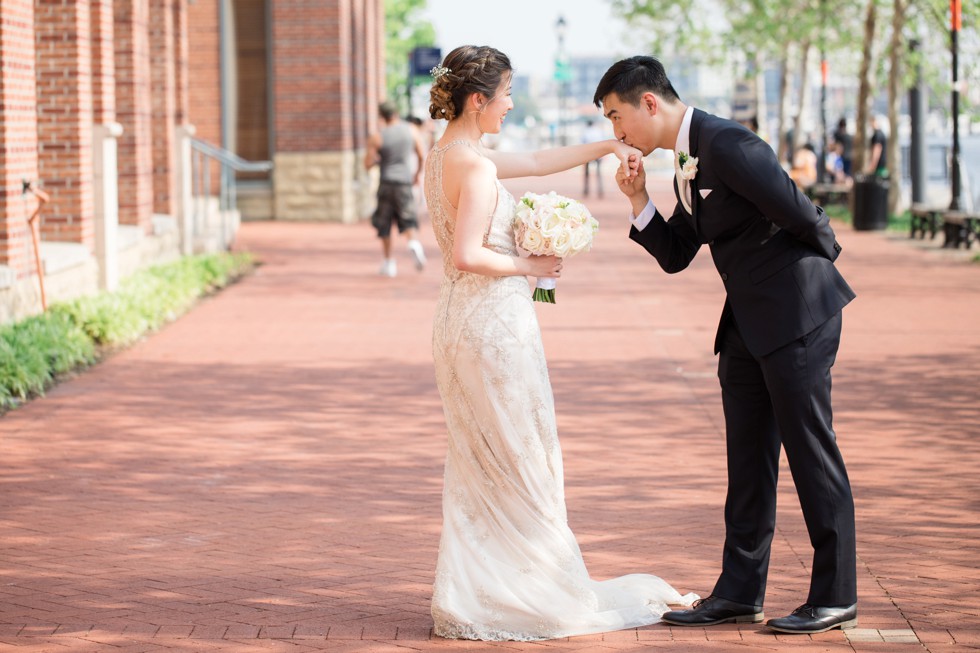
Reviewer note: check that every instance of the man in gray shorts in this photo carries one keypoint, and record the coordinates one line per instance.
(399, 151)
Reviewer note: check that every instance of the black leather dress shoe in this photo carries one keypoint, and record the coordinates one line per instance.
(808, 619)
(715, 610)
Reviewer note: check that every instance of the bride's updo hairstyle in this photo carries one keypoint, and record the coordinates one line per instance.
(467, 69)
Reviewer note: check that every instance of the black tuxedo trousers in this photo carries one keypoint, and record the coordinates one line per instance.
(783, 399)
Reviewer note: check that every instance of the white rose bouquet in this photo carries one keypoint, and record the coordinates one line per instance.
(552, 225)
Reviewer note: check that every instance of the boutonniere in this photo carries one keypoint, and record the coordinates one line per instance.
(688, 165)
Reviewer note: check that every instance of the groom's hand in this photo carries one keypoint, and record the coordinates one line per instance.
(635, 187)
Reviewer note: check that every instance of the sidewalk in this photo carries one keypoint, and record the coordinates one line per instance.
(265, 473)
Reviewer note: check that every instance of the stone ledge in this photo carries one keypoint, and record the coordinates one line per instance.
(57, 256)
(128, 236)
(163, 224)
(8, 276)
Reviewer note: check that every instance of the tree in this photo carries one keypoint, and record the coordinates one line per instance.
(896, 55)
(864, 90)
(405, 29)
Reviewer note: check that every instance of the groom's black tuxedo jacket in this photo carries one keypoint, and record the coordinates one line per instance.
(773, 249)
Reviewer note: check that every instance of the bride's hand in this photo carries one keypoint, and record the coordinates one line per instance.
(629, 159)
(542, 266)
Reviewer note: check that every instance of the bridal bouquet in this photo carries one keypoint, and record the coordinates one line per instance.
(552, 225)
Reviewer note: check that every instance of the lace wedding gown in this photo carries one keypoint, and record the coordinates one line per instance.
(509, 567)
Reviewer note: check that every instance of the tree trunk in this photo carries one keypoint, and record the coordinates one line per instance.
(896, 56)
(864, 91)
(799, 135)
(761, 109)
(783, 98)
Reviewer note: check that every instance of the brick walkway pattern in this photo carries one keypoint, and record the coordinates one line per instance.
(265, 473)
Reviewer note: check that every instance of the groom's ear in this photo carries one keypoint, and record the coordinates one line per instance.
(650, 102)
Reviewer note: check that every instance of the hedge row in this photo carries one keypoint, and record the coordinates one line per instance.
(34, 351)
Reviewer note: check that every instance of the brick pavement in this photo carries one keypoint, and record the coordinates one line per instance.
(265, 473)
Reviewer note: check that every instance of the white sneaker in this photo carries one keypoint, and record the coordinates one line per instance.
(388, 268)
(415, 247)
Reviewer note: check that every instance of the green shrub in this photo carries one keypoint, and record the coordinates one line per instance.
(69, 335)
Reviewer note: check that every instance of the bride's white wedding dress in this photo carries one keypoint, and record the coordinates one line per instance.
(509, 567)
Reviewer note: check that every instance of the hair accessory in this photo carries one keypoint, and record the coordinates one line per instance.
(439, 71)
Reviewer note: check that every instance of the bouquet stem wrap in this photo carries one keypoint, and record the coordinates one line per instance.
(552, 225)
(544, 290)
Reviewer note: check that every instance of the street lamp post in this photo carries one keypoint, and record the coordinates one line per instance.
(918, 108)
(824, 73)
(955, 8)
(561, 26)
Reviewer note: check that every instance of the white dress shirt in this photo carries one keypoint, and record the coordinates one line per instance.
(682, 145)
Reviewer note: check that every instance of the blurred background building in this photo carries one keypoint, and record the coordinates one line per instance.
(151, 125)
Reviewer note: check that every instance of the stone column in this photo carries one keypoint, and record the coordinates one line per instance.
(185, 130)
(106, 187)
(185, 188)
(365, 101)
(106, 131)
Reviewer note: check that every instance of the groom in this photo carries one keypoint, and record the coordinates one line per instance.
(778, 337)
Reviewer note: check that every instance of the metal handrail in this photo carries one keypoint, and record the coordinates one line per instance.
(229, 158)
(203, 153)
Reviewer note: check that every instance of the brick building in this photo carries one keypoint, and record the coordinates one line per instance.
(104, 105)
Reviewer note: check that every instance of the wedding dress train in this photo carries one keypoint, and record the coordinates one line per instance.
(509, 567)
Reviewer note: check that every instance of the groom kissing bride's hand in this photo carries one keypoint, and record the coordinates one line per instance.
(777, 339)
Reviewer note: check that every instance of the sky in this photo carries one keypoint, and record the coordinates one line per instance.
(525, 29)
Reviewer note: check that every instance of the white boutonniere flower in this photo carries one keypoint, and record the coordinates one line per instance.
(688, 165)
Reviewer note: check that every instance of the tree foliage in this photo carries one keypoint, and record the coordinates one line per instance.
(756, 34)
(405, 29)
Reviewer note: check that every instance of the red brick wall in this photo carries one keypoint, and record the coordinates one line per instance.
(312, 76)
(204, 72)
(181, 44)
(103, 63)
(374, 59)
(64, 122)
(358, 77)
(163, 76)
(134, 112)
(18, 131)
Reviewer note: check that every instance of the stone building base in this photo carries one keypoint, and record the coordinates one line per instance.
(321, 186)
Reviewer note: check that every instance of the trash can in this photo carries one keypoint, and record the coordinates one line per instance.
(870, 202)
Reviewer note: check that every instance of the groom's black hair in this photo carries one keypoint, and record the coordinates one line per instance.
(631, 78)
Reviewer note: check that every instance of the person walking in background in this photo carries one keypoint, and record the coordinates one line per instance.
(399, 151)
(592, 134)
(804, 170)
(845, 147)
(877, 164)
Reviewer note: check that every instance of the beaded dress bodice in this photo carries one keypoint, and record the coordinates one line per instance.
(500, 233)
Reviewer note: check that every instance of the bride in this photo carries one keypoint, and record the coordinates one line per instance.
(509, 567)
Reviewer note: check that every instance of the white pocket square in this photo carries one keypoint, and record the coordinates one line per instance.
(704, 192)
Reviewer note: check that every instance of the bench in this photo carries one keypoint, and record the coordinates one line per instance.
(925, 218)
(960, 227)
(822, 194)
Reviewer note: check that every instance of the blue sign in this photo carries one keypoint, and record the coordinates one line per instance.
(423, 60)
